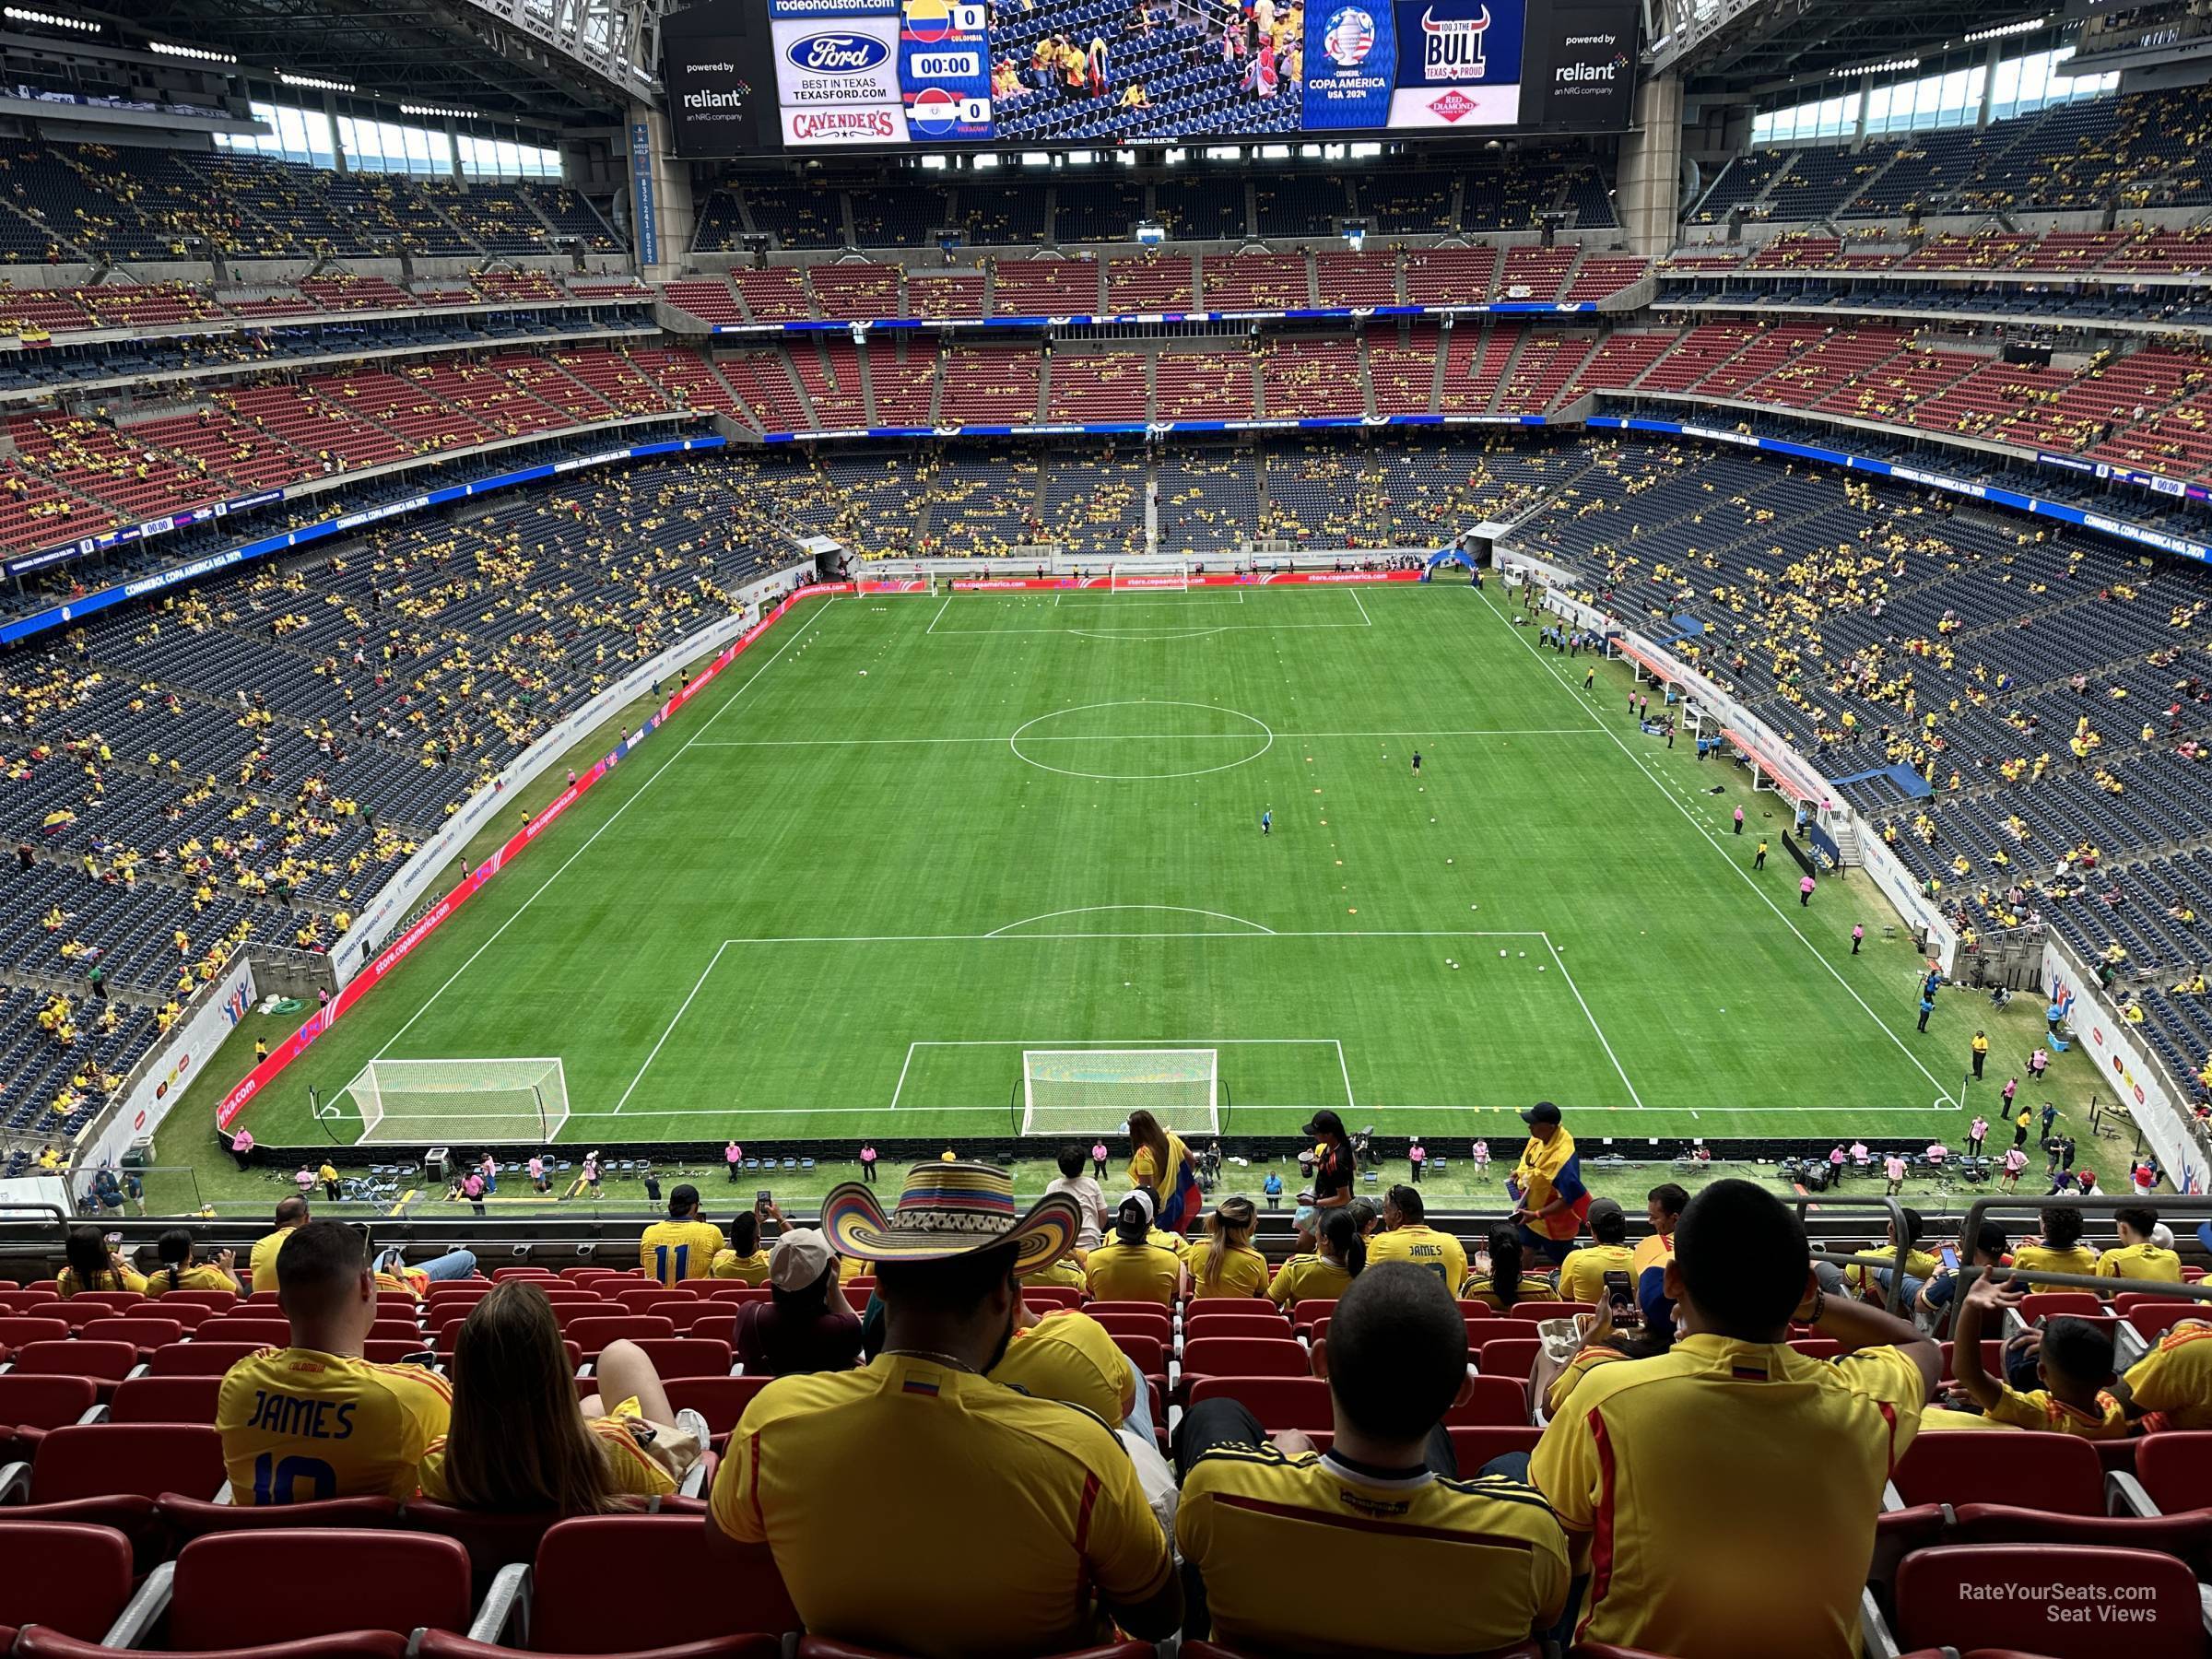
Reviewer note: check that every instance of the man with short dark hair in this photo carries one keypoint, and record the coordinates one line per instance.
(684, 1245)
(1549, 1198)
(1582, 1274)
(1663, 1207)
(316, 1420)
(1461, 1566)
(1408, 1237)
(2136, 1256)
(1773, 1462)
(1012, 1515)
(291, 1215)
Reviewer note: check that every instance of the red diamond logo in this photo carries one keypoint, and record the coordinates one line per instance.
(1452, 105)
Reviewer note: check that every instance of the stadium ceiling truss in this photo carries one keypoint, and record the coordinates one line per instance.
(554, 62)
(1769, 46)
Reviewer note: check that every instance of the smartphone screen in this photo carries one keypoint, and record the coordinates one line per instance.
(1621, 1294)
(1950, 1258)
(763, 1198)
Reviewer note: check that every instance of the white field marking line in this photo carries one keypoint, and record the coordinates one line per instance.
(1714, 842)
(1362, 604)
(695, 984)
(1077, 602)
(903, 1068)
(1560, 962)
(1159, 631)
(705, 727)
(1350, 1104)
(1082, 1042)
(718, 1112)
(1116, 736)
(1007, 938)
(941, 610)
(1086, 910)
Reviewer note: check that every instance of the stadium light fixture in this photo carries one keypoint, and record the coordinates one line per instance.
(440, 111)
(1888, 67)
(197, 54)
(2027, 26)
(16, 13)
(316, 82)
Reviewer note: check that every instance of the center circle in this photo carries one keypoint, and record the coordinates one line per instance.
(1190, 731)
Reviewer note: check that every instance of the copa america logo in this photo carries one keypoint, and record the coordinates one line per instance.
(1349, 38)
(1451, 48)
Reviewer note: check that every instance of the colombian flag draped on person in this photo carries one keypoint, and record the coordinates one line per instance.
(1158, 1160)
(1547, 1183)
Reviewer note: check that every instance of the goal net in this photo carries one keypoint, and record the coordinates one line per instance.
(1092, 1091)
(464, 1100)
(1173, 578)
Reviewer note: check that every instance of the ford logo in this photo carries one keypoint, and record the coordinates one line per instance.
(833, 54)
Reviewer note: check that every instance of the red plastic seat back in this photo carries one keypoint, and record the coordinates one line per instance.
(1509, 1357)
(580, 1561)
(1966, 1597)
(2031, 1471)
(1278, 1402)
(236, 1327)
(1148, 1351)
(201, 1357)
(688, 1355)
(74, 1579)
(20, 1330)
(2175, 1468)
(1205, 1310)
(139, 1330)
(144, 1460)
(107, 1360)
(593, 1333)
(1551, 1309)
(2044, 1304)
(165, 1400)
(721, 1400)
(1245, 1357)
(250, 1588)
(1473, 1447)
(2153, 1317)
(1156, 1325)
(1502, 1401)
(44, 1402)
(1480, 1331)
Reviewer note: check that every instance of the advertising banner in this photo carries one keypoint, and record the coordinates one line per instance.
(1592, 65)
(1459, 64)
(1349, 59)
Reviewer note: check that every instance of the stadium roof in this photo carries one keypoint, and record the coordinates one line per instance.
(555, 62)
(1767, 46)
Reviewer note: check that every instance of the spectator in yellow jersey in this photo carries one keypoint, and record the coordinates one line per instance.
(1663, 1207)
(1339, 1253)
(315, 1420)
(328, 1176)
(1499, 1280)
(183, 1268)
(1068, 1356)
(2171, 1387)
(2136, 1257)
(1066, 1274)
(1582, 1274)
(1405, 1236)
(744, 1260)
(94, 1264)
(2074, 1363)
(1460, 1565)
(1712, 1440)
(1129, 1267)
(1224, 1263)
(1020, 1524)
(261, 1265)
(684, 1246)
(519, 1440)
(2059, 1249)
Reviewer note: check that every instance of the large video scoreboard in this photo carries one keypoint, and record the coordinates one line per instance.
(764, 78)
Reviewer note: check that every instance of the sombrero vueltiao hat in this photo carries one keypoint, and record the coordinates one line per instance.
(947, 1210)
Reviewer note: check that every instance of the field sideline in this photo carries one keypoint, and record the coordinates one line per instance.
(904, 837)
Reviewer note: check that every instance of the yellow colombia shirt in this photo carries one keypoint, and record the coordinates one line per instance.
(297, 1425)
(1008, 1510)
(2175, 1378)
(2034, 1408)
(1582, 1274)
(1070, 1357)
(680, 1250)
(2140, 1262)
(1460, 1566)
(200, 1276)
(1308, 1278)
(2031, 1258)
(1634, 1462)
(1424, 1247)
(1120, 1272)
(1243, 1272)
(262, 1263)
(65, 1286)
(745, 1270)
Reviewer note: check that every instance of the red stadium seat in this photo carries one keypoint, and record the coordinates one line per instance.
(730, 1291)
(165, 1400)
(2055, 1471)
(237, 1327)
(2153, 1319)
(65, 1577)
(87, 1305)
(1966, 1596)
(1473, 1447)
(1204, 1311)
(1244, 1357)
(1307, 1308)
(1278, 1402)
(16, 1330)
(25, 1302)
(1509, 1356)
(1993, 1359)
(719, 1323)
(108, 1361)
(30, 1405)
(2044, 1304)
(218, 1299)
(1480, 1331)
(649, 1299)
(109, 1475)
(1551, 1309)
(195, 1517)
(140, 1331)
(1157, 1326)
(1096, 1308)
(1255, 1327)
(1148, 1351)
(591, 1334)
(1040, 1298)
(721, 1400)
(1501, 1402)
(199, 1358)
(529, 1273)
(688, 1355)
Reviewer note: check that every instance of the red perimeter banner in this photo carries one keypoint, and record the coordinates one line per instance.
(292, 1047)
(992, 584)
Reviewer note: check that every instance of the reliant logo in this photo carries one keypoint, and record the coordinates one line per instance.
(837, 53)
(1570, 75)
(1451, 50)
(732, 99)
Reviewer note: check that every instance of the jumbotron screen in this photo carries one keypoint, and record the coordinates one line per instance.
(751, 77)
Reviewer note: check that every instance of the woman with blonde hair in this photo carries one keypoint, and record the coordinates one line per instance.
(1158, 1160)
(1226, 1265)
(520, 1442)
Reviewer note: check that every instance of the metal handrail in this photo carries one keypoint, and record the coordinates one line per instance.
(1888, 1206)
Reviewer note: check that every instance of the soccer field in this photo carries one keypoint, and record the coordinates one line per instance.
(904, 839)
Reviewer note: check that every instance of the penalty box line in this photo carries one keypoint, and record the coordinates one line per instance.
(1126, 1042)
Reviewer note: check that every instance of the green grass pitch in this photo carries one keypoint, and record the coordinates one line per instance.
(905, 837)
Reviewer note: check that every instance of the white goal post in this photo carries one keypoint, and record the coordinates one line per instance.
(1092, 1091)
(468, 1102)
(1156, 575)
